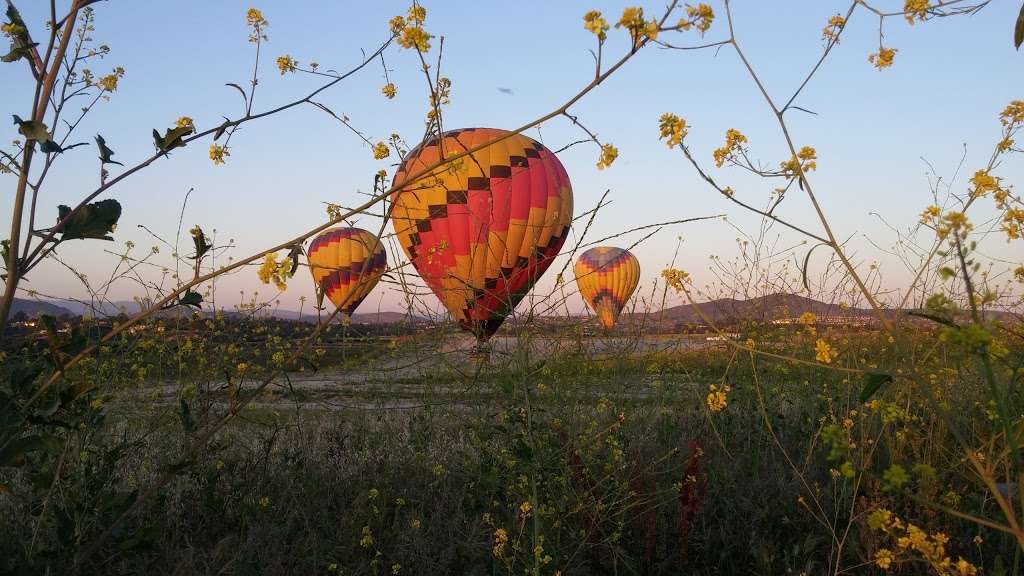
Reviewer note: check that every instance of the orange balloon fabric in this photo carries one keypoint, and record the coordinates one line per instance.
(346, 263)
(606, 278)
(481, 229)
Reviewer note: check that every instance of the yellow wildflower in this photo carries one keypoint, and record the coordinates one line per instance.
(734, 141)
(1013, 113)
(916, 9)
(389, 90)
(632, 19)
(417, 14)
(883, 558)
(700, 17)
(675, 279)
(396, 24)
(525, 509)
(286, 64)
(717, 398)
(109, 82)
(808, 319)
(381, 151)
(608, 155)
(983, 183)
(930, 214)
(500, 540)
(217, 153)
(823, 352)
(367, 540)
(255, 20)
(833, 28)
(253, 17)
(883, 58)
(596, 24)
(673, 128)
(274, 271)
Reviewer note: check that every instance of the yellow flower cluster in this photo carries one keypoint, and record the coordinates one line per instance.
(930, 547)
(699, 17)
(883, 58)
(831, 31)
(675, 279)
(916, 9)
(255, 20)
(804, 161)
(217, 153)
(596, 24)
(824, 352)
(185, 122)
(632, 19)
(500, 541)
(608, 155)
(718, 397)
(734, 141)
(409, 31)
(389, 90)
(381, 151)
(109, 82)
(673, 128)
(951, 222)
(1013, 113)
(286, 64)
(333, 212)
(274, 271)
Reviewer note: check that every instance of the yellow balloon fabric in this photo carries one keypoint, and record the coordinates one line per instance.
(606, 278)
(346, 263)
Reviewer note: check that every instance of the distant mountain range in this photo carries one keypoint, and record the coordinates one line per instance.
(35, 308)
(759, 309)
(768, 308)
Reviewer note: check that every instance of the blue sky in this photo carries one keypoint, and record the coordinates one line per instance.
(871, 129)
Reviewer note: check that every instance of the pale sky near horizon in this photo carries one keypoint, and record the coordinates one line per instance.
(875, 131)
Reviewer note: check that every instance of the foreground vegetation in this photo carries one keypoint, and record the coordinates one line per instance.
(709, 461)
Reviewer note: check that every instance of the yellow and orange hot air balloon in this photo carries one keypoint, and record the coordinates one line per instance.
(346, 263)
(481, 229)
(607, 277)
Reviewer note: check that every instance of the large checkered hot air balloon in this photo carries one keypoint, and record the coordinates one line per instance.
(346, 263)
(481, 229)
(607, 277)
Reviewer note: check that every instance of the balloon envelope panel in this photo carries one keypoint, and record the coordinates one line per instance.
(346, 263)
(607, 277)
(483, 228)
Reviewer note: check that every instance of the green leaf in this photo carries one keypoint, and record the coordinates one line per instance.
(872, 382)
(172, 138)
(191, 299)
(14, 453)
(1018, 32)
(50, 147)
(105, 153)
(21, 45)
(31, 129)
(201, 245)
(294, 254)
(95, 220)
